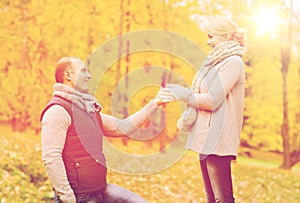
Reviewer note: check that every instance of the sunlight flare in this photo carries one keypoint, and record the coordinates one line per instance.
(267, 20)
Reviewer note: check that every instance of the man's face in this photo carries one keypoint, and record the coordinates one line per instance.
(80, 76)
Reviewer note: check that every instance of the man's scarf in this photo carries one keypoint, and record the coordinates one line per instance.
(82, 100)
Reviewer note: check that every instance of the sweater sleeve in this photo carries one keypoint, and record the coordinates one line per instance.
(117, 127)
(228, 76)
(54, 126)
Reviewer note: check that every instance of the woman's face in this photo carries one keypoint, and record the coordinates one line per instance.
(214, 40)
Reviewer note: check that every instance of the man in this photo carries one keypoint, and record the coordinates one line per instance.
(72, 128)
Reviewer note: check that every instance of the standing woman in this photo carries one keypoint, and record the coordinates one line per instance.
(215, 108)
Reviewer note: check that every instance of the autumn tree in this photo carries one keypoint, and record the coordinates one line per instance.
(291, 152)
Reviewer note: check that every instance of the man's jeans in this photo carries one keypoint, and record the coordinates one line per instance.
(112, 194)
(216, 174)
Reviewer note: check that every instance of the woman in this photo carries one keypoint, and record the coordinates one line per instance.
(215, 108)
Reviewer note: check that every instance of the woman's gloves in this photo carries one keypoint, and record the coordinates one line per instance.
(173, 92)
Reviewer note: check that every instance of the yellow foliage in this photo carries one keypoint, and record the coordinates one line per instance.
(35, 34)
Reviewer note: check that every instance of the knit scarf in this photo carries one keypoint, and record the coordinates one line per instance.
(217, 55)
(84, 101)
(222, 51)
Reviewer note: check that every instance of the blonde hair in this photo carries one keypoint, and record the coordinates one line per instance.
(219, 25)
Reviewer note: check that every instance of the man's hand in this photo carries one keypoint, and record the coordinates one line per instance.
(162, 97)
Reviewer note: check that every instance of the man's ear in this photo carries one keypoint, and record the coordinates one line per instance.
(67, 75)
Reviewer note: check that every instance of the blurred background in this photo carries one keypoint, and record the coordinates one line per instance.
(34, 34)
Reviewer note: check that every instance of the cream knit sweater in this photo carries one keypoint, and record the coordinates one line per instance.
(220, 110)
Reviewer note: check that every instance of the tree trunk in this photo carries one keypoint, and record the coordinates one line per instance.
(127, 21)
(20, 124)
(286, 39)
(285, 125)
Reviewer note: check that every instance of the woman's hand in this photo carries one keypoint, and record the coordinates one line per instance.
(173, 92)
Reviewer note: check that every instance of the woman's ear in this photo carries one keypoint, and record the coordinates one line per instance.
(227, 36)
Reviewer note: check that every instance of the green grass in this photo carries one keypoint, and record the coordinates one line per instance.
(256, 179)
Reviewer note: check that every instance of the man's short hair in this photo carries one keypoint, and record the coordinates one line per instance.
(62, 65)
